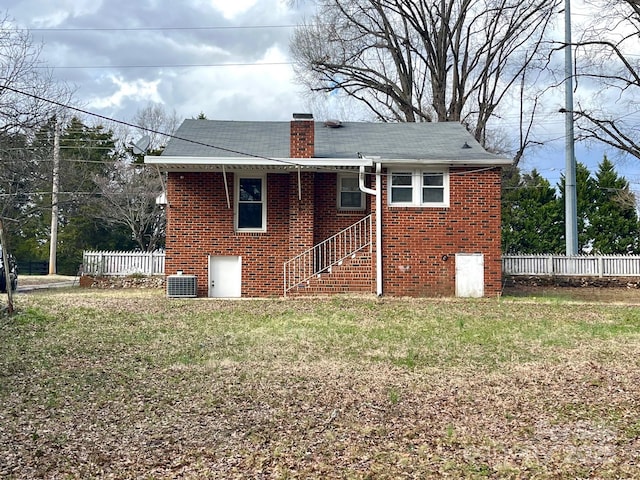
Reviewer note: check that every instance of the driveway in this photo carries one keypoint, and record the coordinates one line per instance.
(29, 283)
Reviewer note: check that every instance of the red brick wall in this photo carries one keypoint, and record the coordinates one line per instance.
(199, 224)
(301, 212)
(416, 238)
(330, 220)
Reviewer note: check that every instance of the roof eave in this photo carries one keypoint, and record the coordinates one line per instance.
(460, 162)
(184, 164)
(238, 163)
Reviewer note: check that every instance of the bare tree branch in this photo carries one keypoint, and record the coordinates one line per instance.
(424, 60)
(20, 116)
(608, 57)
(129, 198)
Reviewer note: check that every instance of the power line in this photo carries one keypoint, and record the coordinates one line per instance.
(146, 129)
(174, 65)
(150, 29)
(237, 152)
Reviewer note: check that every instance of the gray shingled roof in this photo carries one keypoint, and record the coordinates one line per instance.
(389, 141)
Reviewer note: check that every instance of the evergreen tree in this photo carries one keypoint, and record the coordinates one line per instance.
(31, 239)
(533, 217)
(531, 214)
(86, 152)
(585, 193)
(613, 225)
(17, 180)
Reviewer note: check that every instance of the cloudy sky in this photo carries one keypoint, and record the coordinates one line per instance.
(228, 59)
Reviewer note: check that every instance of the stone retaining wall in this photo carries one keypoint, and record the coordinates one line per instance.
(87, 281)
(514, 282)
(571, 281)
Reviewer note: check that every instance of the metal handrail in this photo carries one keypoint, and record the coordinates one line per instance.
(323, 256)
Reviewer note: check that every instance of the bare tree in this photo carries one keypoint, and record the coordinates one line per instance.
(158, 124)
(131, 190)
(129, 197)
(25, 83)
(608, 70)
(425, 60)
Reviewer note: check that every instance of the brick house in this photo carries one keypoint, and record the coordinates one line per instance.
(259, 209)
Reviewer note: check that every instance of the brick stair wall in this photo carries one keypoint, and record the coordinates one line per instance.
(354, 275)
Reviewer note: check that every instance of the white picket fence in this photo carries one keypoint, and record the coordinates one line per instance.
(152, 263)
(581, 265)
(123, 263)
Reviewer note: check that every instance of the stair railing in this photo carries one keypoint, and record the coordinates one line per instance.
(332, 251)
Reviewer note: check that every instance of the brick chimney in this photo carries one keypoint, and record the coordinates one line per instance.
(302, 136)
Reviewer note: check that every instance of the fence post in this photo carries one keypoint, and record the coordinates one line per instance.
(600, 266)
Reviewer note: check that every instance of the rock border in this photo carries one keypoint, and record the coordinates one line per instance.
(570, 281)
(118, 282)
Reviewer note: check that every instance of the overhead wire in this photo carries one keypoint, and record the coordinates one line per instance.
(173, 65)
(196, 142)
(149, 29)
(146, 129)
(110, 119)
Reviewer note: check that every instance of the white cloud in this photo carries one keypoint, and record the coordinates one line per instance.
(261, 91)
(232, 8)
(138, 90)
(52, 15)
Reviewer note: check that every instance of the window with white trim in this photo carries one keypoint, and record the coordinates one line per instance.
(419, 187)
(401, 188)
(251, 203)
(350, 197)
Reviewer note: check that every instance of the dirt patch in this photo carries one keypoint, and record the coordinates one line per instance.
(614, 289)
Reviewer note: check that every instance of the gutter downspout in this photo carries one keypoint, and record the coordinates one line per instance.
(226, 187)
(378, 194)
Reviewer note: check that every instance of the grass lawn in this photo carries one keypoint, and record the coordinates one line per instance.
(130, 384)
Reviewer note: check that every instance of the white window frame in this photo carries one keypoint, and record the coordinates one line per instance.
(237, 201)
(341, 177)
(416, 174)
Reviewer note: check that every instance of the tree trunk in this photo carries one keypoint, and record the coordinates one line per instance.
(7, 273)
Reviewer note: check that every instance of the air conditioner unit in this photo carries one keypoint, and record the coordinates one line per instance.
(185, 286)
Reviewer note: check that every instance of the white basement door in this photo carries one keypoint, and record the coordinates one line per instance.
(469, 275)
(225, 276)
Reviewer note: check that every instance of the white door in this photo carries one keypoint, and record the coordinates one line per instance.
(225, 276)
(469, 275)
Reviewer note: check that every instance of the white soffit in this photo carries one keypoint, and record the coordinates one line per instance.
(242, 163)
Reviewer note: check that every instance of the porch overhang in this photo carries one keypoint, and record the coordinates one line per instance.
(283, 165)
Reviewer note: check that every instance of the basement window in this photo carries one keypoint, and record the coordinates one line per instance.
(251, 203)
(417, 187)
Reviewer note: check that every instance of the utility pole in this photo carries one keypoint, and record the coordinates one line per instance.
(570, 194)
(54, 199)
